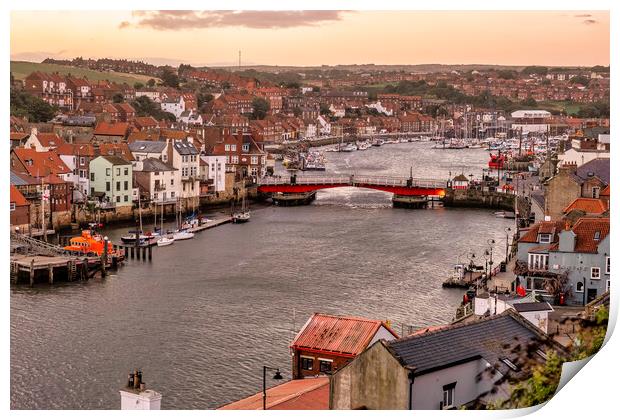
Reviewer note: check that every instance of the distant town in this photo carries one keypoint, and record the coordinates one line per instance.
(118, 166)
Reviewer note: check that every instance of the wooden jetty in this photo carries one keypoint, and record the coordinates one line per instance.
(469, 279)
(33, 269)
(210, 224)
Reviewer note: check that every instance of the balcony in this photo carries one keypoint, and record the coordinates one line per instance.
(160, 187)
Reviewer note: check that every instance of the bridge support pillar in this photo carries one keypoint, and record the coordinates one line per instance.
(409, 202)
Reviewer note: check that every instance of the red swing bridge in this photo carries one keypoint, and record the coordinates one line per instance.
(296, 190)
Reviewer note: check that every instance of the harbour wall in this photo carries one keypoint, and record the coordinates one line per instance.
(485, 199)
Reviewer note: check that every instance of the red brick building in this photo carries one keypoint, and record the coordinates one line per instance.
(327, 342)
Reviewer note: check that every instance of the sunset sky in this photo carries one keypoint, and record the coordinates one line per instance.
(305, 38)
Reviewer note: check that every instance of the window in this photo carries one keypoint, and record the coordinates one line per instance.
(246, 147)
(155, 195)
(607, 286)
(118, 171)
(126, 185)
(171, 194)
(538, 261)
(511, 365)
(82, 161)
(12, 206)
(235, 159)
(108, 171)
(534, 283)
(254, 160)
(227, 147)
(126, 171)
(596, 192)
(545, 238)
(118, 185)
(126, 198)
(107, 186)
(118, 198)
(325, 365)
(597, 235)
(579, 287)
(307, 362)
(595, 273)
(448, 395)
(233, 147)
(607, 266)
(92, 176)
(171, 181)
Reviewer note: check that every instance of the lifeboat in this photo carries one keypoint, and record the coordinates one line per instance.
(497, 161)
(88, 243)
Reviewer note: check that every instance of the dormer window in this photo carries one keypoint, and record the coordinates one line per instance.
(597, 235)
(545, 238)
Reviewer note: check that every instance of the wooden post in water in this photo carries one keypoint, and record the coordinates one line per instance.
(85, 269)
(131, 251)
(104, 256)
(51, 274)
(31, 272)
(144, 253)
(150, 252)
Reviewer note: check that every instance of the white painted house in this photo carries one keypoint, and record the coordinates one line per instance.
(175, 106)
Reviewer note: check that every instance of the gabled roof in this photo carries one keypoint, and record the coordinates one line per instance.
(531, 236)
(116, 160)
(298, 394)
(586, 230)
(184, 147)
(17, 197)
(39, 164)
(18, 135)
(587, 205)
(347, 336)
(69, 149)
(114, 129)
(596, 167)
(155, 165)
(120, 149)
(490, 338)
(146, 146)
(49, 139)
(532, 306)
(605, 192)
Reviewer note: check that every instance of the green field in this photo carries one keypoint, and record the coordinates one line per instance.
(21, 69)
(565, 106)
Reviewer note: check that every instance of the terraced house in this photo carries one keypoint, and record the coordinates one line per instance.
(111, 181)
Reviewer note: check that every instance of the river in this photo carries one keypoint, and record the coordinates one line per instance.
(205, 315)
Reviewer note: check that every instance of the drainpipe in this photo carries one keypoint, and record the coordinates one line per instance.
(411, 377)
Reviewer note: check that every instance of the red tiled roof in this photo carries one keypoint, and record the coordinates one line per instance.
(585, 229)
(115, 129)
(17, 197)
(605, 192)
(531, 236)
(75, 149)
(587, 205)
(121, 150)
(18, 135)
(49, 139)
(298, 394)
(347, 336)
(43, 163)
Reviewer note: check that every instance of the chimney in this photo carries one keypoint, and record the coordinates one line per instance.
(135, 396)
(34, 131)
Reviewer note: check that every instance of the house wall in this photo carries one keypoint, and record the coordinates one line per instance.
(20, 217)
(98, 167)
(561, 190)
(582, 157)
(338, 362)
(579, 267)
(539, 318)
(374, 380)
(428, 388)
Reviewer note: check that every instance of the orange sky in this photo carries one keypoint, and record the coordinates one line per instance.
(551, 38)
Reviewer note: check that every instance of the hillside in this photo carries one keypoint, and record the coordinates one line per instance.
(21, 69)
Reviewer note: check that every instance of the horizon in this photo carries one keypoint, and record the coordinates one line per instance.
(317, 38)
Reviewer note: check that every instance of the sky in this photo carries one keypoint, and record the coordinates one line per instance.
(316, 37)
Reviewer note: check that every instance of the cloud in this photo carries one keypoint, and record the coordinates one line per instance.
(174, 20)
(37, 56)
(589, 22)
(583, 16)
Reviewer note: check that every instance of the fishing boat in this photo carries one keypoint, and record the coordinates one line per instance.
(89, 242)
(242, 215)
(497, 161)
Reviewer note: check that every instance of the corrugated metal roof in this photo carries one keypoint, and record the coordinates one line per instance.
(337, 334)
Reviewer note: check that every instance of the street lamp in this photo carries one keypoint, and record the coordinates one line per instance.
(490, 242)
(277, 376)
(507, 230)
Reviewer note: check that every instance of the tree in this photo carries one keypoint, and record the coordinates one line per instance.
(26, 105)
(118, 98)
(261, 107)
(203, 99)
(324, 109)
(316, 89)
(539, 70)
(579, 80)
(138, 85)
(146, 108)
(592, 335)
(507, 74)
(170, 78)
(292, 85)
(150, 83)
(530, 102)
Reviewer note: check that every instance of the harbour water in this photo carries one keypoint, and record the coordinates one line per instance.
(206, 314)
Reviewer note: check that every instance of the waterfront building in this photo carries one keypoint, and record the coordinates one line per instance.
(20, 211)
(212, 174)
(147, 149)
(486, 304)
(77, 157)
(446, 368)
(183, 155)
(160, 181)
(327, 343)
(38, 164)
(530, 121)
(584, 149)
(111, 179)
(570, 260)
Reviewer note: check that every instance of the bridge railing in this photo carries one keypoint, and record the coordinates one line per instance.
(390, 181)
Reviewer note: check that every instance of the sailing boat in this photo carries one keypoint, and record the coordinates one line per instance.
(181, 234)
(167, 239)
(242, 215)
(138, 235)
